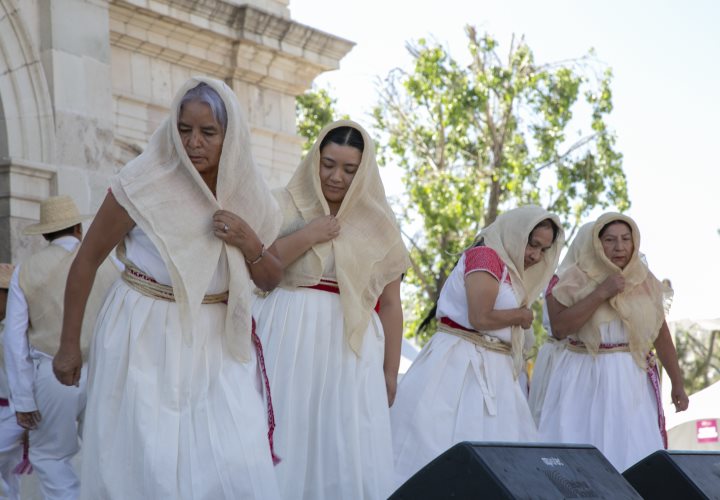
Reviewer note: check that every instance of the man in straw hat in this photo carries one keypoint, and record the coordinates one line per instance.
(46, 408)
(10, 444)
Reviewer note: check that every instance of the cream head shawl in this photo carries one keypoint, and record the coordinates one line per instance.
(166, 197)
(571, 256)
(508, 236)
(369, 252)
(639, 306)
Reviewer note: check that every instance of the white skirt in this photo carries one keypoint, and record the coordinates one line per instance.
(606, 401)
(455, 391)
(332, 421)
(544, 367)
(169, 420)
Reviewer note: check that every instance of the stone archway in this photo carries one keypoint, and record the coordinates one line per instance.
(26, 130)
(26, 103)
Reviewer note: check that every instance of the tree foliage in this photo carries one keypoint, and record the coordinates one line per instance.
(698, 353)
(475, 139)
(313, 110)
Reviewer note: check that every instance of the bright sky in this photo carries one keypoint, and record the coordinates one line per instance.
(664, 56)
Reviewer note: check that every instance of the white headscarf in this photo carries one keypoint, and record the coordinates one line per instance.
(166, 197)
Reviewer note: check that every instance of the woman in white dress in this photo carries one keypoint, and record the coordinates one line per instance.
(604, 390)
(552, 348)
(463, 386)
(332, 359)
(175, 408)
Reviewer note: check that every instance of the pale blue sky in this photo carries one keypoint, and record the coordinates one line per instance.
(664, 55)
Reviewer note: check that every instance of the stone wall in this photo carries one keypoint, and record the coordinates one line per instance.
(83, 83)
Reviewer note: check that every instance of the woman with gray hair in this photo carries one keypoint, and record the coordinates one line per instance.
(175, 407)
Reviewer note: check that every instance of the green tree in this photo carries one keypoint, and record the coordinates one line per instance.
(313, 110)
(698, 355)
(478, 138)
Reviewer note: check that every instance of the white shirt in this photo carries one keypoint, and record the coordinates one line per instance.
(19, 354)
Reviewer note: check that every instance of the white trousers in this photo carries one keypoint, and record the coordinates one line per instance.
(55, 441)
(10, 454)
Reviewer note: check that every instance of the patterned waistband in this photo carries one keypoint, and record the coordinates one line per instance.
(446, 325)
(141, 282)
(605, 348)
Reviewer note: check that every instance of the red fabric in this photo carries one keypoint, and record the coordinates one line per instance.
(447, 321)
(24, 467)
(333, 288)
(4, 403)
(654, 376)
(266, 383)
(484, 259)
(553, 281)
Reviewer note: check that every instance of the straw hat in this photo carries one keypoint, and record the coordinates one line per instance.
(56, 213)
(6, 271)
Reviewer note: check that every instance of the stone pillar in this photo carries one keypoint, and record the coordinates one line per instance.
(75, 52)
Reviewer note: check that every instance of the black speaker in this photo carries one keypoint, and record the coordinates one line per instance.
(517, 470)
(677, 474)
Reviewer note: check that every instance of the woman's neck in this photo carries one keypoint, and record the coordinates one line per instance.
(211, 182)
(334, 208)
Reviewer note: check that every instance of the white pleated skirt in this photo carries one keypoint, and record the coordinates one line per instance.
(544, 367)
(332, 429)
(606, 401)
(169, 420)
(455, 391)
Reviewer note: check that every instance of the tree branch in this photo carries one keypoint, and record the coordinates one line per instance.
(582, 142)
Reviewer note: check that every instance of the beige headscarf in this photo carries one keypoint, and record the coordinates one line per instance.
(508, 236)
(166, 197)
(369, 252)
(639, 306)
(578, 242)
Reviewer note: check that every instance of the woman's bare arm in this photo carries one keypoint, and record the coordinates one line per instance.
(108, 228)
(481, 289)
(668, 357)
(391, 317)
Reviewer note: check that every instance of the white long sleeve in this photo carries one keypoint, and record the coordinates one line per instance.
(18, 363)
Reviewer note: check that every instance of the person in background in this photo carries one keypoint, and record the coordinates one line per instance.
(10, 446)
(604, 390)
(552, 348)
(463, 386)
(47, 409)
(333, 328)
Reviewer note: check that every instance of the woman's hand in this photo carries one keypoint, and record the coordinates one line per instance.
(233, 230)
(679, 398)
(612, 286)
(28, 419)
(323, 229)
(525, 317)
(67, 365)
(391, 387)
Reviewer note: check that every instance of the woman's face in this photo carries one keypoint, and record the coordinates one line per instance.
(202, 136)
(617, 243)
(541, 239)
(338, 165)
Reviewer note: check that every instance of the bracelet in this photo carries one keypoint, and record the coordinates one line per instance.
(259, 257)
